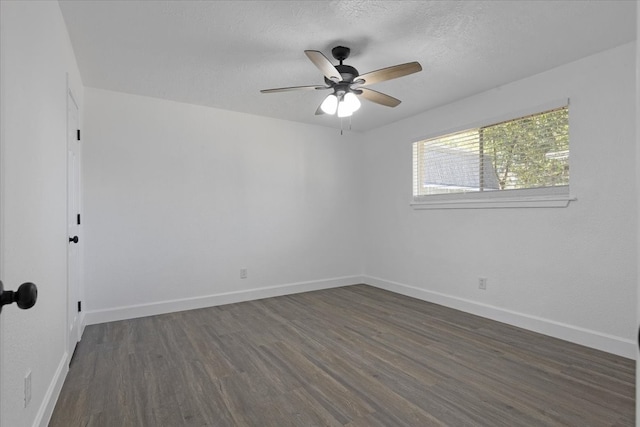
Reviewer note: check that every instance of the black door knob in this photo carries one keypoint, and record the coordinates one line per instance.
(73, 239)
(25, 296)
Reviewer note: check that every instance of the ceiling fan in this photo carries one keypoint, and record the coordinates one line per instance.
(348, 84)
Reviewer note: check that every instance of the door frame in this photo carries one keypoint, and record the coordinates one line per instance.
(638, 210)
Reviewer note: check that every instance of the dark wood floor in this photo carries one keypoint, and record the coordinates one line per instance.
(352, 356)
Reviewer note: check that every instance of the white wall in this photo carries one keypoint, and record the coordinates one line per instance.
(567, 272)
(179, 197)
(35, 55)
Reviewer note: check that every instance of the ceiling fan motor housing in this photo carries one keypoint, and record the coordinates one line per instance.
(347, 72)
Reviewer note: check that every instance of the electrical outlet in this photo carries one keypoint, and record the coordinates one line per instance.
(482, 283)
(243, 273)
(27, 389)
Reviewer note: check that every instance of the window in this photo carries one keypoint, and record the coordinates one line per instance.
(520, 158)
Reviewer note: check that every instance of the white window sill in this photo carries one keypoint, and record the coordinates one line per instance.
(547, 201)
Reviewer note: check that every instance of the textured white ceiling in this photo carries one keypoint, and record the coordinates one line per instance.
(221, 53)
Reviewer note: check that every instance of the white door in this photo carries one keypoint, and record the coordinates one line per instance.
(1, 271)
(73, 225)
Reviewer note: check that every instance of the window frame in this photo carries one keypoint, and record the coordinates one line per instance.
(541, 197)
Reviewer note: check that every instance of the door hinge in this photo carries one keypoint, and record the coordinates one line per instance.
(79, 306)
(78, 134)
(78, 221)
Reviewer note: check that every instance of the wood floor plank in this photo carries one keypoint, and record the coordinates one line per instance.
(351, 356)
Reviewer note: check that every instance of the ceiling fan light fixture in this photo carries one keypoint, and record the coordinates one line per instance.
(344, 109)
(330, 104)
(352, 101)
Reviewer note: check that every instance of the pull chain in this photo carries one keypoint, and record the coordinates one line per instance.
(341, 125)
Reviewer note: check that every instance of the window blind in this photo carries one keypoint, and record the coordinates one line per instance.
(528, 152)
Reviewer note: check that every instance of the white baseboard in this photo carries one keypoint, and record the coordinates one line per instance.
(53, 392)
(93, 317)
(589, 338)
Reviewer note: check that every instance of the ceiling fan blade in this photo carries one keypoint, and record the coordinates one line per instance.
(324, 65)
(286, 89)
(379, 98)
(389, 73)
